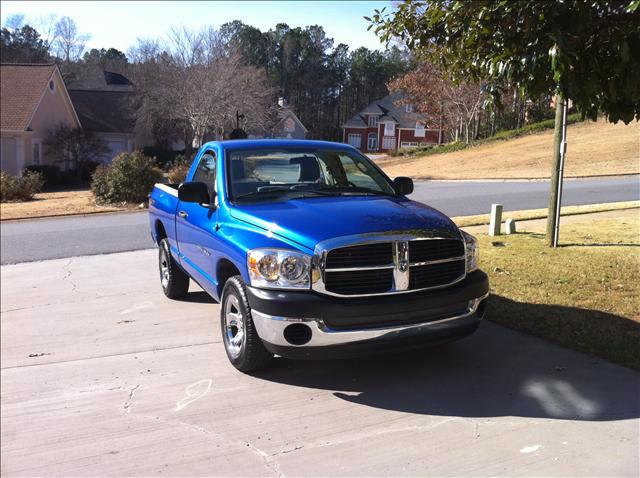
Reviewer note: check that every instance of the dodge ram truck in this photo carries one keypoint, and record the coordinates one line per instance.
(313, 252)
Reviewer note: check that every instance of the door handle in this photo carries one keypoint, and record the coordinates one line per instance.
(183, 214)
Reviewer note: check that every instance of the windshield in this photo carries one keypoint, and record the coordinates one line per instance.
(273, 174)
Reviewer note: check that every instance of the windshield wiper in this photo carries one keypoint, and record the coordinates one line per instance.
(354, 189)
(269, 192)
(301, 193)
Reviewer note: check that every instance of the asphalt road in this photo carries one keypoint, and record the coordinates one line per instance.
(101, 374)
(100, 234)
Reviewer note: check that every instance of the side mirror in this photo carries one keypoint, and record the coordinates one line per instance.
(194, 192)
(403, 185)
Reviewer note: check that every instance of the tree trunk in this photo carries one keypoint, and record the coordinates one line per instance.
(555, 173)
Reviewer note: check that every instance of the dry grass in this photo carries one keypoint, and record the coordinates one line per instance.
(55, 204)
(584, 295)
(593, 149)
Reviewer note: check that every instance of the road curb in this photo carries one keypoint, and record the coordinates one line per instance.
(77, 214)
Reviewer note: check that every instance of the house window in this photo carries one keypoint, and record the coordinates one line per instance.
(389, 129)
(36, 153)
(354, 139)
(408, 108)
(373, 121)
(388, 143)
(372, 142)
(420, 131)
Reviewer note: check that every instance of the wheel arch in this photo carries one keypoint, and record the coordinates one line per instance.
(225, 269)
(160, 231)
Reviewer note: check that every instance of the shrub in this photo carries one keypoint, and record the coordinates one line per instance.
(129, 178)
(178, 170)
(20, 189)
(100, 184)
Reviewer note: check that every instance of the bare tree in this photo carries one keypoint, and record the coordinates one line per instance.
(69, 44)
(192, 79)
(440, 99)
(46, 26)
(77, 147)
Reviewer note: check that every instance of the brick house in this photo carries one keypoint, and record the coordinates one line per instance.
(384, 126)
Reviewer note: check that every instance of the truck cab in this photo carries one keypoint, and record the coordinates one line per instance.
(313, 252)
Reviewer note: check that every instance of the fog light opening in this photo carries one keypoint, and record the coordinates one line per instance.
(297, 334)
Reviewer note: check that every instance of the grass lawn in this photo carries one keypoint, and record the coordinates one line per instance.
(583, 295)
(55, 204)
(594, 148)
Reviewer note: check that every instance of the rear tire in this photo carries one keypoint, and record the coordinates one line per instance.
(244, 348)
(174, 281)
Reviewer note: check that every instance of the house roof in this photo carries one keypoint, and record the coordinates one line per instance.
(21, 88)
(388, 111)
(104, 111)
(96, 78)
(286, 112)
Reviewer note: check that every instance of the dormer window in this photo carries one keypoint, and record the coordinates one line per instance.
(408, 108)
(373, 121)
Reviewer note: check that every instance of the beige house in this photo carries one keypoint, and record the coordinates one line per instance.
(33, 101)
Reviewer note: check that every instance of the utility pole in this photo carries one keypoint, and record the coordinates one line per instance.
(559, 152)
(238, 118)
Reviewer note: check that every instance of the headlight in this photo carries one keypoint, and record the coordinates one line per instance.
(471, 246)
(279, 269)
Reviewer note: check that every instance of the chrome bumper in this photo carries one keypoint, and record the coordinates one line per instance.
(271, 328)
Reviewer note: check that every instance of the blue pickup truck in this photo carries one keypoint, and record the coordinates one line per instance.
(313, 252)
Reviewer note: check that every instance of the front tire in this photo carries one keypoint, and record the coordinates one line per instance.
(174, 281)
(244, 348)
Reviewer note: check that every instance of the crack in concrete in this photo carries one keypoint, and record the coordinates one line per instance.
(135, 352)
(74, 287)
(127, 404)
(269, 462)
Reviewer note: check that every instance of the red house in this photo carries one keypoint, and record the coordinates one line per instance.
(384, 126)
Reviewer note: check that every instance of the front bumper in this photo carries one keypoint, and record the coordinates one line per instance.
(297, 324)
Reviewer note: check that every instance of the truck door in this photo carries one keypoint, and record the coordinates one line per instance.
(196, 227)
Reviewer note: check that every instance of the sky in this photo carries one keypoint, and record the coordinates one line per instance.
(118, 24)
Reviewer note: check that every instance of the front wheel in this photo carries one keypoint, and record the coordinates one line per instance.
(174, 281)
(244, 347)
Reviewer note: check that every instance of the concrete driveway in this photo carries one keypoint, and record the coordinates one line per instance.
(101, 375)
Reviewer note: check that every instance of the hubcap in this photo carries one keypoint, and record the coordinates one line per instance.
(233, 326)
(164, 269)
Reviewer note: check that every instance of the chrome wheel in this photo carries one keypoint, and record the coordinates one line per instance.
(164, 269)
(233, 326)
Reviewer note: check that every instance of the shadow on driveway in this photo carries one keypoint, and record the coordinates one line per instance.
(496, 372)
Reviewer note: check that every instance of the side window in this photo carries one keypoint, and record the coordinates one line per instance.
(206, 172)
(359, 173)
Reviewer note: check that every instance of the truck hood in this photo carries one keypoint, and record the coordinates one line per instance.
(311, 220)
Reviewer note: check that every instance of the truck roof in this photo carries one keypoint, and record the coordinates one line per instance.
(237, 144)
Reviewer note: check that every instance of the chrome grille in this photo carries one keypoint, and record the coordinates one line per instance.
(360, 256)
(359, 282)
(433, 275)
(391, 266)
(422, 251)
